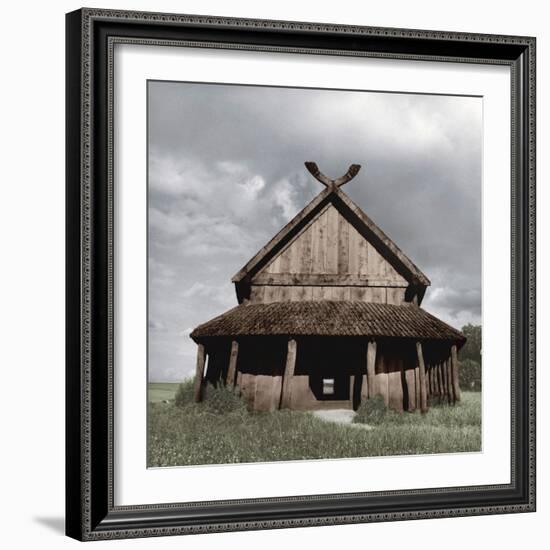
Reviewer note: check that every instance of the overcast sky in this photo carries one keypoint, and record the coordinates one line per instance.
(226, 172)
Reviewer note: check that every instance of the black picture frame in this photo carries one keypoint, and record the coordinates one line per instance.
(90, 511)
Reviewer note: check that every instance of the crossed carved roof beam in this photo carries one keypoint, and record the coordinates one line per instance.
(313, 169)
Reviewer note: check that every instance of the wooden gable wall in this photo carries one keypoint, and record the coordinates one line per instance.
(329, 260)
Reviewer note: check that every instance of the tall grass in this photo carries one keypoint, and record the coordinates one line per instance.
(203, 433)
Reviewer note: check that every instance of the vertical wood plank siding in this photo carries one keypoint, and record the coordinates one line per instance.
(329, 244)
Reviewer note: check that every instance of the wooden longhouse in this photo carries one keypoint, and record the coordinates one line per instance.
(329, 315)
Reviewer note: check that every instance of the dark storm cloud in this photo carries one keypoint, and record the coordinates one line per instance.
(226, 173)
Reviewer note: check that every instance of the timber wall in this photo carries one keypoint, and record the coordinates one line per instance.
(329, 260)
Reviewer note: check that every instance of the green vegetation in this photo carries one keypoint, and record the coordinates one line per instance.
(161, 391)
(472, 348)
(465, 414)
(470, 359)
(372, 411)
(470, 375)
(221, 430)
(184, 395)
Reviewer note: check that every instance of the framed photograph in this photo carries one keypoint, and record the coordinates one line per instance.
(300, 274)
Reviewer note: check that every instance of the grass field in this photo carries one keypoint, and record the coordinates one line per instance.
(161, 391)
(197, 434)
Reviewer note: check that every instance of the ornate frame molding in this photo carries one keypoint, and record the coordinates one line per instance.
(91, 36)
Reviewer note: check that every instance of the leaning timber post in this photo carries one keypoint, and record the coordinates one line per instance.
(371, 367)
(427, 379)
(444, 392)
(417, 387)
(422, 378)
(232, 370)
(289, 373)
(450, 382)
(409, 378)
(201, 359)
(454, 365)
(238, 383)
(440, 382)
(436, 379)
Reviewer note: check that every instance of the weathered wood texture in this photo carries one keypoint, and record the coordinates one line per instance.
(289, 373)
(199, 372)
(331, 254)
(381, 379)
(303, 399)
(232, 370)
(267, 392)
(371, 368)
(433, 381)
(450, 389)
(321, 210)
(395, 390)
(454, 368)
(422, 378)
(364, 388)
(443, 372)
(393, 377)
(438, 382)
(411, 389)
(324, 279)
(381, 386)
(284, 293)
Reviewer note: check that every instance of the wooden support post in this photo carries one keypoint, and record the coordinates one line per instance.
(443, 369)
(411, 391)
(351, 388)
(435, 381)
(450, 381)
(371, 366)
(289, 373)
(364, 388)
(429, 391)
(232, 371)
(417, 387)
(238, 383)
(201, 359)
(422, 378)
(441, 393)
(454, 368)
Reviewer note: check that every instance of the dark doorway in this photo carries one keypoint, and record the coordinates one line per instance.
(329, 387)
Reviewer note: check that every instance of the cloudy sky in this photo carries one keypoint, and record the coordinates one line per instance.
(226, 172)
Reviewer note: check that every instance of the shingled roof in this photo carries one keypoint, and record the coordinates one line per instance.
(328, 318)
